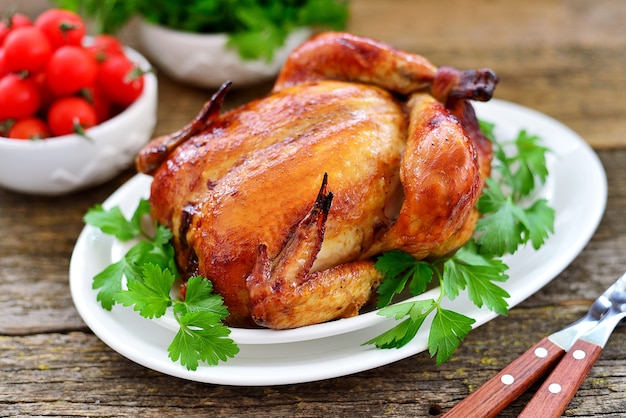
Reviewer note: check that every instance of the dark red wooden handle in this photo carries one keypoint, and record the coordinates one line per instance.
(563, 383)
(493, 396)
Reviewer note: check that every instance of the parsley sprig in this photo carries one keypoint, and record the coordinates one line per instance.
(510, 218)
(150, 272)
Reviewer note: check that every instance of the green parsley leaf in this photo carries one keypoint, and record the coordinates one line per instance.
(329, 13)
(109, 281)
(150, 296)
(531, 158)
(402, 267)
(506, 224)
(487, 129)
(141, 211)
(199, 298)
(201, 338)
(509, 219)
(113, 222)
(477, 272)
(448, 329)
(157, 251)
(260, 43)
(541, 222)
(503, 230)
(403, 333)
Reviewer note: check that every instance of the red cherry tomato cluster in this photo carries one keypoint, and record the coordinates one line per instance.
(53, 84)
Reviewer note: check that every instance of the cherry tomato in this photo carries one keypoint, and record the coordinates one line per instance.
(29, 128)
(19, 97)
(103, 107)
(61, 27)
(47, 96)
(71, 114)
(121, 80)
(105, 46)
(3, 67)
(8, 23)
(70, 69)
(26, 49)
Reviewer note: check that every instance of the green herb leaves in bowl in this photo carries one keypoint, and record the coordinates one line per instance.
(256, 28)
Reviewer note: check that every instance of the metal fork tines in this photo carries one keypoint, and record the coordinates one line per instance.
(571, 352)
(566, 337)
(562, 384)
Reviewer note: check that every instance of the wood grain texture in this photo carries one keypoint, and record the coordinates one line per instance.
(509, 383)
(561, 385)
(566, 58)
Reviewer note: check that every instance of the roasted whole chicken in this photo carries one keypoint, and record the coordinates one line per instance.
(284, 203)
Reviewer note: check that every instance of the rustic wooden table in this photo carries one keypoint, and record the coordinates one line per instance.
(566, 58)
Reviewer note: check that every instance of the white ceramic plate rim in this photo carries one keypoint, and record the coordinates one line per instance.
(576, 189)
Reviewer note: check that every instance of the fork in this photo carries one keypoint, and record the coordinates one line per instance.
(583, 341)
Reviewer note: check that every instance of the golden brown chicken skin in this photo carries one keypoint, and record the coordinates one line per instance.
(283, 203)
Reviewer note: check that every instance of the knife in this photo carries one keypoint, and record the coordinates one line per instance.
(585, 337)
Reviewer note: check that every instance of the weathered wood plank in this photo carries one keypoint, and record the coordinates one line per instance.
(566, 58)
(75, 373)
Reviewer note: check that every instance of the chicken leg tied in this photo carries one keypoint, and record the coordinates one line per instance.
(348, 57)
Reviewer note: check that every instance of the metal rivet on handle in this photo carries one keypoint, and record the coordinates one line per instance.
(507, 379)
(554, 388)
(541, 352)
(579, 354)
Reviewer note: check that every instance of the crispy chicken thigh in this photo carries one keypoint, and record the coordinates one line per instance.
(284, 202)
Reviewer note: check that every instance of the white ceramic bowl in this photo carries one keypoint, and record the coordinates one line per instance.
(203, 60)
(64, 164)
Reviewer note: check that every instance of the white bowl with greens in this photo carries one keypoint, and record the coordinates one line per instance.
(205, 43)
(207, 60)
